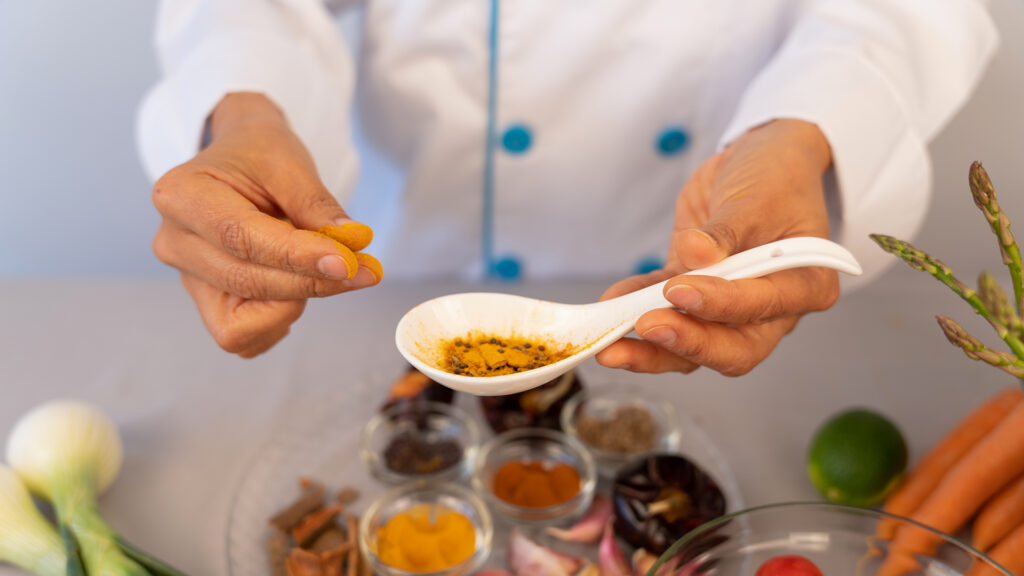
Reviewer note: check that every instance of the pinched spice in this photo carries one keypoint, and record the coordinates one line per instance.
(629, 430)
(426, 538)
(492, 356)
(536, 484)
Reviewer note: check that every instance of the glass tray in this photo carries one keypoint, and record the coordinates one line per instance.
(324, 444)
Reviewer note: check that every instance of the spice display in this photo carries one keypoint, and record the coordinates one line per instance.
(312, 538)
(426, 538)
(537, 408)
(492, 356)
(659, 498)
(536, 484)
(414, 387)
(411, 452)
(629, 430)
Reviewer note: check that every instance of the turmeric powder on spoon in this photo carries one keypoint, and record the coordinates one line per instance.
(492, 356)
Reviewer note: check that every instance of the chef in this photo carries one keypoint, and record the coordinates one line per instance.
(529, 139)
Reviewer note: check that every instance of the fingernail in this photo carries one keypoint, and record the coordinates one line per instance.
(660, 335)
(685, 297)
(363, 278)
(333, 266)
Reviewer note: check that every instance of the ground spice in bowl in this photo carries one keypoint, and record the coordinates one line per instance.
(536, 484)
(409, 452)
(426, 538)
(630, 429)
(492, 356)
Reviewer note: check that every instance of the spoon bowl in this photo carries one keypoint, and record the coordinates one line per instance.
(585, 328)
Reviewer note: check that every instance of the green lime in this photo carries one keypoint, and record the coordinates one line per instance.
(857, 457)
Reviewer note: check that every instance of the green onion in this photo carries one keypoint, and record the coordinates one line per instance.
(26, 538)
(70, 453)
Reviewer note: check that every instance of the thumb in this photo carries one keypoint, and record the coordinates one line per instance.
(735, 225)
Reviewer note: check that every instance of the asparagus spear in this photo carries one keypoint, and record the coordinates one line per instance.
(993, 297)
(985, 199)
(920, 260)
(975, 350)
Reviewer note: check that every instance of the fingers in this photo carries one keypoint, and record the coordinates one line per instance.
(757, 300)
(228, 221)
(244, 327)
(732, 351)
(186, 251)
(642, 356)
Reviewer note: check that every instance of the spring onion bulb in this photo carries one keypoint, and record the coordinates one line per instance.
(26, 538)
(70, 453)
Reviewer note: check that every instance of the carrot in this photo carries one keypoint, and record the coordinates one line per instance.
(1009, 553)
(988, 467)
(930, 471)
(1001, 515)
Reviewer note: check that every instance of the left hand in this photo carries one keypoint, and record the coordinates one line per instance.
(765, 186)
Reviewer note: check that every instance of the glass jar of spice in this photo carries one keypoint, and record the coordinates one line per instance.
(420, 441)
(619, 424)
(428, 528)
(535, 476)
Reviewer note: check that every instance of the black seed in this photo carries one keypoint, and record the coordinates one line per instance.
(494, 340)
(528, 345)
(541, 348)
(500, 351)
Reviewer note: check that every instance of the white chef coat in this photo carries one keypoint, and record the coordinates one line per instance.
(534, 138)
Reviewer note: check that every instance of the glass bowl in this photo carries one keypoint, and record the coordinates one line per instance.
(838, 539)
(450, 496)
(602, 404)
(535, 444)
(424, 421)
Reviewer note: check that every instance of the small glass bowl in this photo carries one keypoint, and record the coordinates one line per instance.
(430, 421)
(533, 444)
(450, 496)
(602, 403)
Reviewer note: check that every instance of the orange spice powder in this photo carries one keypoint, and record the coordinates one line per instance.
(536, 484)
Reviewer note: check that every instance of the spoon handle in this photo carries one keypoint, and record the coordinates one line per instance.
(756, 262)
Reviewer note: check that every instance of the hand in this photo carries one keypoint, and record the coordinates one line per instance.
(237, 223)
(765, 186)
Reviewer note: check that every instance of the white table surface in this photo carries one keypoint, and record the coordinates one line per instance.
(192, 416)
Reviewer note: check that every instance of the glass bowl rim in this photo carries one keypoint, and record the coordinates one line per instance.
(588, 475)
(660, 406)
(823, 506)
(380, 470)
(485, 528)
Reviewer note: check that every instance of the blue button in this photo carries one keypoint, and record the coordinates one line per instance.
(517, 139)
(506, 269)
(649, 265)
(672, 141)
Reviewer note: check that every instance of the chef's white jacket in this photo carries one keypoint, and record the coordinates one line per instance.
(535, 138)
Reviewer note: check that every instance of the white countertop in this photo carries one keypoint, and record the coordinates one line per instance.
(192, 416)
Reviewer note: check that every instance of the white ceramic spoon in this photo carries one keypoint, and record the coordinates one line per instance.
(589, 327)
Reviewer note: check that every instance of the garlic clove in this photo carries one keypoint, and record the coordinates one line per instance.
(527, 558)
(613, 561)
(589, 529)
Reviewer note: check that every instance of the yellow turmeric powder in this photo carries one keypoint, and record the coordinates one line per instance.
(426, 538)
(353, 235)
(490, 356)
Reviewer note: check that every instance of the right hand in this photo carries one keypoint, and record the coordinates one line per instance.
(237, 221)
